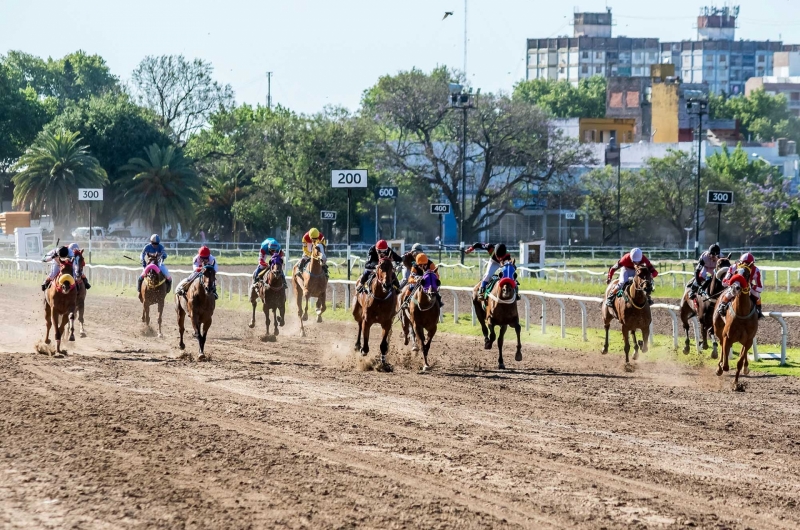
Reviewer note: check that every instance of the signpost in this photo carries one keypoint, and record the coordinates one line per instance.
(719, 198)
(386, 192)
(348, 178)
(327, 215)
(441, 210)
(90, 194)
(569, 216)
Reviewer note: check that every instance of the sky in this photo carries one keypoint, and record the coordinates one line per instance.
(325, 52)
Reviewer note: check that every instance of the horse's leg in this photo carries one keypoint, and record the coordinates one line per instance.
(282, 308)
(160, 314)
(320, 307)
(254, 303)
(645, 338)
(419, 337)
(181, 317)
(299, 292)
(635, 345)
(481, 314)
(500, 364)
(365, 327)
(48, 322)
(687, 343)
(358, 336)
(275, 319)
(426, 347)
(627, 341)
(71, 321)
(518, 330)
(57, 328)
(726, 353)
(404, 322)
(305, 308)
(202, 333)
(81, 307)
(385, 330)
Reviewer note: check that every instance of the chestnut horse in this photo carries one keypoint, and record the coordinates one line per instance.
(154, 290)
(633, 312)
(60, 300)
(703, 307)
(739, 325)
(198, 303)
(420, 311)
(311, 283)
(376, 305)
(271, 289)
(499, 310)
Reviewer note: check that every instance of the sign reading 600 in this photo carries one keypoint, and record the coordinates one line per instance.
(349, 178)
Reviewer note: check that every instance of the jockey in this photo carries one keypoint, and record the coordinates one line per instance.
(57, 256)
(410, 257)
(423, 264)
(628, 263)
(378, 251)
(268, 248)
(705, 270)
(498, 254)
(77, 264)
(311, 239)
(154, 247)
(747, 261)
(202, 259)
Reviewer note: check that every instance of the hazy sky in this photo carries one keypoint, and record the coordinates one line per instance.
(328, 52)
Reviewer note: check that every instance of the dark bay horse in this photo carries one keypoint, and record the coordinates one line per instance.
(60, 301)
(739, 325)
(198, 303)
(80, 303)
(311, 283)
(703, 307)
(154, 290)
(376, 305)
(271, 289)
(420, 312)
(633, 312)
(499, 310)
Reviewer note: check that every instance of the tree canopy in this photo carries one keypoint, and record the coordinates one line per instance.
(562, 99)
(762, 116)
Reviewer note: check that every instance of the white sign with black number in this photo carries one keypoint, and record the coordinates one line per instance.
(719, 197)
(440, 209)
(327, 215)
(90, 194)
(569, 215)
(349, 178)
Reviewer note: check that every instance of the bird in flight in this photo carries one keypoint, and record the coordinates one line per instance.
(447, 14)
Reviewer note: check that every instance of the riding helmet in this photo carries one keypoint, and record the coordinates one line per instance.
(500, 251)
(714, 250)
(204, 252)
(63, 252)
(636, 254)
(154, 239)
(422, 259)
(313, 233)
(265, 244)
(382, 245)
(417, 247)
(74, 246)
(747, 258)
(274, 245)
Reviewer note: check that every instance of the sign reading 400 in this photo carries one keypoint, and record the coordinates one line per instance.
(349, 178)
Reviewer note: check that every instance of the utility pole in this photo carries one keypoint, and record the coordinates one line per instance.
(697, 104)
(269, 90)
(465, 40)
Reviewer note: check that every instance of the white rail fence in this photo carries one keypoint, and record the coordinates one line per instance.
(120, 277)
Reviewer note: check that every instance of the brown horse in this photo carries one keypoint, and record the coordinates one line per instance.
(739, 325)
(499, 310)
(376, 305)
(311, 283)
(80, 303)
(154, 290)
(633, 312)
(703, 307)
(60, 300)
(271, 289)
(420, 311)
(198, 303)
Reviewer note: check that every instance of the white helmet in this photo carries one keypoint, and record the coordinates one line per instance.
(636, 254)
(74, 246)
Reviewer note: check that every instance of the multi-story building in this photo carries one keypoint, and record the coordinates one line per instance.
(715, 58)
(786, 80)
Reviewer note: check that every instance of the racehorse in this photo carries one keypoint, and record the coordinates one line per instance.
(739, 325)
(632, 310)
(420, 312)
(154, 290)
(310, 283)
(271, 289)
(198, 303)
(60, 300)
(80, 302)
(376, 305)
(703, 306)
(499, 310)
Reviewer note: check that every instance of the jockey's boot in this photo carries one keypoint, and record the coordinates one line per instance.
(139, 288)
(758, 310)
(723, 308)
(693, 291)
(439, 299)
(168, 281)
(649, 300)
(516, 294)
(396, 285)
(86, 282)
(302, 265)
(46, 284)
(610, 299)
(325, 270)
(214, 291)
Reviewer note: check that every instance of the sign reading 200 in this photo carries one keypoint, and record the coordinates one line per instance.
(349, 178)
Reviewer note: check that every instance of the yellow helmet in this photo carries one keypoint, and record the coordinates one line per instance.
(313, 233)
(422, 259)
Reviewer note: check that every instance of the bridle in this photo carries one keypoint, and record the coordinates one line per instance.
(386, 283)
(646, 288)
(275, 273)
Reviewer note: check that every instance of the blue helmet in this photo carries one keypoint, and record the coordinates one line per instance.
(154, 239)
(270, 244)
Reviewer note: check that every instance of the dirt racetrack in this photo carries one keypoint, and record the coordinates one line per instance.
(292, 434)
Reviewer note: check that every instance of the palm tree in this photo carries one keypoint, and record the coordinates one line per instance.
(50, 172)
(160, 189)
(221, 192)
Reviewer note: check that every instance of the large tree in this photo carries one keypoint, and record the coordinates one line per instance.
(160, 189)
(762, 116)
(49, 174)
(564, 100)
(182, 93)
(600, 200)
(510, 147)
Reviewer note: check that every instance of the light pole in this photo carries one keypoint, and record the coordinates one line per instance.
(461, 100)
(698, 104)
(613, 158)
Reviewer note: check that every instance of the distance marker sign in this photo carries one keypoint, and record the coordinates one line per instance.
(719, 197)
(327, 215)
(386, 192)
(440, 209)
(349, 178)
(90, 194)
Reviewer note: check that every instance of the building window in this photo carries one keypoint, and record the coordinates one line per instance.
(598, 69)
(585, 55)
(632, 99)
(723, 58)
(598, 55)
(761, 58)
(795, 96)
(615, 100)
(584, 69)
(561, 70)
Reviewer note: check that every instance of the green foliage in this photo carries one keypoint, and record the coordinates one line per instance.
(221, 189)
(762, 116)
(563, 100)
(161, 188)
(600, 199)
(22, 116)
(50, 172)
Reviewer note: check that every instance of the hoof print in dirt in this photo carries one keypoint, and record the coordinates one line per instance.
(268, 338)
(384, 367)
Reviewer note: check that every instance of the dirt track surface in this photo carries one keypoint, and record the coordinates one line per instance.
(294, 434)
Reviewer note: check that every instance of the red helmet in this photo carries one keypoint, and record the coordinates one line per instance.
(204, 252)
(747, 258)
(382, 245)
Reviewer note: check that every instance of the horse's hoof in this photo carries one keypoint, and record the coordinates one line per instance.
(746, 370)
(426, 368)
(202, 358)
(385, 367)
(305, 318)
(605, 351)
(319, 319)
(636, 355)
(686, 351)
(271, 338)
(251, 325)
(281, 322)
(487, 345)
(719, 370)
(629, 367)
(415, 349)
(182, 345)
(277, 332)
(47, 341)
(501, 366)
(703, 346)
(83, 334)
(72, 338)
(159, 335)
(738, 387)
(518, 356)
(364, 352)
(714, 354)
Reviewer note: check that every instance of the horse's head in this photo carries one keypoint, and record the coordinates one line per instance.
(724, 262)
(509, 270)
(152, 257)
(276, 263)
(738, 284)
(384, 272)
(429, 282)
(65, 282)
(66, 266)
(151, 272)
(643, 280)
(508, 287)
(317, 251)
(209, 278)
